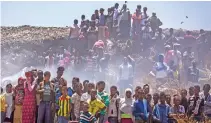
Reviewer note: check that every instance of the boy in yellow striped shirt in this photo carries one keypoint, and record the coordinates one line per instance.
(64, 106)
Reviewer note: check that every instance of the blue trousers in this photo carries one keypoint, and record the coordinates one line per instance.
(44, 112)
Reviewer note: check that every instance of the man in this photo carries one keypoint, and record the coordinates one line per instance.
(47, 99)
(146, 89)
(116, 14)
(146, 36)
(154, 23)
(125, 21)
(187, 58)
(155, 99)
(19, 96)
(113, 108)
(101, 29)
(161, 70)
(141, 108)
(196, 103)
(184, 100)
(76, 98)
(92, 34)
(125, 75)
(74, 34)
(193, 73)
(207, 100)
(191, 91)
(104, 98)
(170, 39)
(144, 16)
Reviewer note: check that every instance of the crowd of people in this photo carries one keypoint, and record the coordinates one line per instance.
(40, 98)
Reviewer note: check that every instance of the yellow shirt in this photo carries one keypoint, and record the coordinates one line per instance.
(3, 103)
(95, 106)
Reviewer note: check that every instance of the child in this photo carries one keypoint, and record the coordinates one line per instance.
(3, 106)
(95, 105)
(64, 106)
(86, 116)
(9, 101)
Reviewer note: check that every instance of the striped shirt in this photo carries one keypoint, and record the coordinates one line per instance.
(87, 117)
(64, 106)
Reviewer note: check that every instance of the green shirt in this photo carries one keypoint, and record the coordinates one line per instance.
(105, 99)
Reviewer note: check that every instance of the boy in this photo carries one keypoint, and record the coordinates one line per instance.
(95, 105)
(64, 106)
(3, 106)
(86, 116)
(104, 98)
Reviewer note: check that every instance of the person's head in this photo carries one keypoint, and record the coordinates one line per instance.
(124, 6)
(156, 97)
(113, 90)
(47, 76)
(149, 97)
(196, 90)
(125, 61)
(202, 31)
(78, 87)
(171, 31)
(76, 22)
(168, 99)
(141, 94)
(128, 93)
(93, 94)
(183, 93)
(90, 86)
(146, 88)
(60, 71)
(29, 76)
(75, 81)
(64, 90)
(96, 12)
(82, 17)
(160, 30)
(139, 7)
(191, 91)
(194, 64)
(153, 14)
(100, 86)
(206, 88)
(9, 88)
(161, 58)
(101, 11)
(40, 74)
(34, 72)
(116, 5)
(177, 100)
(145, 9)
(162, 98)
(85, 84)
(109, 10)
(21, 80)
(85, 107)
(136, 89)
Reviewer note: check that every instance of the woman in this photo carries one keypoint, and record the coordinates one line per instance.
(126, 103)
(29, 102)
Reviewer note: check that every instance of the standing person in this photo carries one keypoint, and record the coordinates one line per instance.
(161, 69)
(102, 22)
(149, 102)
(19, 96)
(125, 22)
(49, 60)
(177, 111)
(75, 83)
(104, 98)
(193, 73)
(29, 102)
(3, 105)
(85, 86)
(161, 111)
(144, 16)
(135, 96)
(136, 24)
(125, 75)
(168, 99)
(125, 107)
(113, 108)
(47, 99)
(146, 89)
(74, 34)
(95, 105)
(109, 20)
(141, 108)
(86, 116)
(156, 97)
(76, 98)
(10, 103)
(92, 34)
(196, 103)
(116, 15)
(207, 100)
(64, 104)
(39, 79)
(83, 22)
(191, 91)
(184, 100)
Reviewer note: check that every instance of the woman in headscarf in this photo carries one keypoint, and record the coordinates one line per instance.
(125, 108)
(29, 102)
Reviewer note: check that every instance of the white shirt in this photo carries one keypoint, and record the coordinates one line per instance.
(85, 97)
(143, 17)
(9, 101)
(161, 73)
(176, 57)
